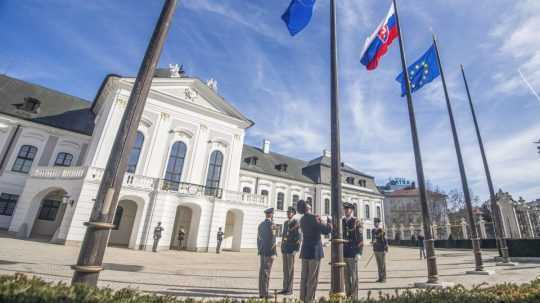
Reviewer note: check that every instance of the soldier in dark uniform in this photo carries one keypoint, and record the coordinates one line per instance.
(352, 233)
(219, 239)
(380, 248)
(181, 235)
(421, 246)
(266, 245)
(311, 251)
(157, 235)
(290, 244)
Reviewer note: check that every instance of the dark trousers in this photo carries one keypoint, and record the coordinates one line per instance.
(422, 252)
(265, 268)
(155, 245)
(218, 246)
(288, 272)
(351, 277)
(381, 264)
(309, 279)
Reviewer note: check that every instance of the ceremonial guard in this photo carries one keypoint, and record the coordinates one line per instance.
(290, 244)
(158, 231)
(352, 234)
(181, 235)
(219, 239)
(311, 251)
(380, 248)
(266, 245)
(421, 246)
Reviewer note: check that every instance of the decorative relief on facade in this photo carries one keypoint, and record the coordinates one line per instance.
(190, 94)
(183, 133)
(122, 101)
(146, 122)
(164, 116)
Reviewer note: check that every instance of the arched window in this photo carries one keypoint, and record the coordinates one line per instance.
(246, 190)
(295, 199)
(25, 158)
(264, 192)
(118, 217)
(214, 173)
(280, 201)
(379, 212)
(175, 165)
(366, 211)
(63, 159)
(135, 153)
(326, 206)
(309, 201)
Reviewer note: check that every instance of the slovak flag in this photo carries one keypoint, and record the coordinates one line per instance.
(377, 44)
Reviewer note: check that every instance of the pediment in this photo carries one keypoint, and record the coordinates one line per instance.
(188, 94)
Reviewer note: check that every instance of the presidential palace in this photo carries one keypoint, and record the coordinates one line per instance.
(189, 167)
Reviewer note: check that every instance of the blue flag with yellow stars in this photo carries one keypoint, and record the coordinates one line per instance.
(298, 15)
(421, 72)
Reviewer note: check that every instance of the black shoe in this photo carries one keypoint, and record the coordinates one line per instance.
(282, 292)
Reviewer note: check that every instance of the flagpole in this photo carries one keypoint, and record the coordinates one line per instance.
(496, 211)
(89, 263)
(429, 243)
(479, 267)
(338, 264)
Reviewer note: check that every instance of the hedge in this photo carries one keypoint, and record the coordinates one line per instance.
(22, 289)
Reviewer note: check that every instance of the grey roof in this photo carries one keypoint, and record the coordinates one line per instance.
(326, 161)
(57, 109)
(266, 164)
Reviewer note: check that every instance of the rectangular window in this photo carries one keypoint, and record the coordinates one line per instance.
(7, 204)
(280, 201)
(49, 209)
(279, 230)
(63, 159)
(25, 158)
(368, 233)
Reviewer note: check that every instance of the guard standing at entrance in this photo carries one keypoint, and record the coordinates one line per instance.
(181, 235)
(380, 248)
(220, 235)
(266, 245)
(290, 244)
(158, 231)
(352, 233)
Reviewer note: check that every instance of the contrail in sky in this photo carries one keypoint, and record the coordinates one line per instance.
(529, 85)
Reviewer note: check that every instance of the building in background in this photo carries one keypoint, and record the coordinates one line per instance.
(189, 167)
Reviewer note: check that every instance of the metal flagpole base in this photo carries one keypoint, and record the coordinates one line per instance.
(427, 285)
(481, 272)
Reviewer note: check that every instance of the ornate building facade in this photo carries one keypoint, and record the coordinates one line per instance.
(189, 168)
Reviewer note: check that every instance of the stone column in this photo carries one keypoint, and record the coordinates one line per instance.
(448, 228)
(464, 228)
(482, 228)
(411, 230)
(401, 232)
(393, 232)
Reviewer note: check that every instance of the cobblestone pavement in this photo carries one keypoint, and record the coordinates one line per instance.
(234, 274)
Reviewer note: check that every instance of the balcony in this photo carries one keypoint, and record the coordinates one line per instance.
(246, 198)
(190, 189)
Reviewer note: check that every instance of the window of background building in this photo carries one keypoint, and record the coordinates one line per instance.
(279, 230)
(175, 165)
(118, 217)
(135, 153)
(7, 204)
(366, 211)
(368, 233)
(264, 193)
(326, 206)
(25, 158)
(246, 190)
(63, 159)
(309, 201)
(280, 201)
(49, 209)
(379, 212)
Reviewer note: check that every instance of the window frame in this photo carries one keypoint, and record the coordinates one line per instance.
(327, 206)
(117, 220)
(132, 167)
(282, 196)
(213, 181)
(246, 190)
(21, 161)
(8, 202)
(367, 211)
(173, 177)
(52, 207)
(67, 157)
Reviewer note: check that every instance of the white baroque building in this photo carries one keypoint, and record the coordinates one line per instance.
(189, 167)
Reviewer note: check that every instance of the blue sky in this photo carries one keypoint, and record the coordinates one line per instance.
(282, 83)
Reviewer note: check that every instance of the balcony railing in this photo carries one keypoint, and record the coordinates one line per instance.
(245, 197)
(59, 172)
(190, 189)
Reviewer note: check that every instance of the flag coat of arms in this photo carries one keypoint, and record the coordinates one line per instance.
(377, 44)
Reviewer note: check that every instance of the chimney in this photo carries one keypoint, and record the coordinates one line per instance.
(326, 153)
(266, 146)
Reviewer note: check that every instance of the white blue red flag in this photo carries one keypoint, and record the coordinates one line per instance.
(377, 44)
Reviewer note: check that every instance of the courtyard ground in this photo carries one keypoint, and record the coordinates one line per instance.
(235, 274)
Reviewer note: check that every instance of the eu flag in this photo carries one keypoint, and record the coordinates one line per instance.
(421, 72)
(298, 15)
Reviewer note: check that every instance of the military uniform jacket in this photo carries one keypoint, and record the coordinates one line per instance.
(266, 239)
(158, 231)
(352, 232)
(290, 242)
(379, 239)
(220, 236)
(311, 237)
